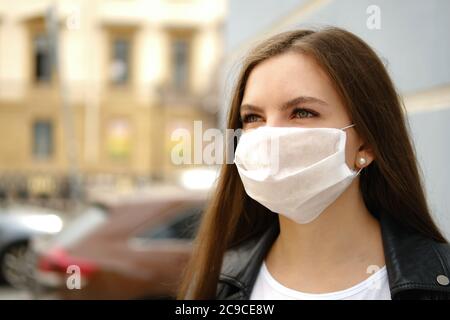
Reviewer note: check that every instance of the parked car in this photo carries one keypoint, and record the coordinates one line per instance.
(124, 248)
(18, 225)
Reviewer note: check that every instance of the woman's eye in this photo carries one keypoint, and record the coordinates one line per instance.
(303, 113)
(250, 118)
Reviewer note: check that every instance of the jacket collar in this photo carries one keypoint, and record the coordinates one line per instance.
(241, 264)
(412, 260)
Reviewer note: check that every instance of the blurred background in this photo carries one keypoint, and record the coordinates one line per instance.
(91, 92)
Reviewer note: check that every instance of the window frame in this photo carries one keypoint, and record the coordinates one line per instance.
(50, 156)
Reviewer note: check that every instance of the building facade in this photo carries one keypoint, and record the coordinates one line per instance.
(94, 88)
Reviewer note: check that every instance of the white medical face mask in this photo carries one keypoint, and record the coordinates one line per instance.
(296, 172)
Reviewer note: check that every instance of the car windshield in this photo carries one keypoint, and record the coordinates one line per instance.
(183, 226)
(81, 226)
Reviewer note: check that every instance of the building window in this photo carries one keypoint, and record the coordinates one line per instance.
(120, 63)
(42, 62)
(42, 139)
(119, 139)
(180, 63)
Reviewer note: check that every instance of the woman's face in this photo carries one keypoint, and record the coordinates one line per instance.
(291, 90)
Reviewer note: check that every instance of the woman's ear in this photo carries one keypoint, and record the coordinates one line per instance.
(364, 156)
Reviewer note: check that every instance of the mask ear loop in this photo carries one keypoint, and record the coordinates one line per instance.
(349, 126)
(346, 127)
(357, 173)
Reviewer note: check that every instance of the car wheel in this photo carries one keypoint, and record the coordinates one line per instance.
(14, 265)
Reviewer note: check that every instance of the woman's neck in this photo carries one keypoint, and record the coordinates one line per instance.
(344, 239)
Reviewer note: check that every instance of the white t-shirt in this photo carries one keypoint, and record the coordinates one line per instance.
(375, 287)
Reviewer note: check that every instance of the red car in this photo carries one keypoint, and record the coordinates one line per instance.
(120, 248)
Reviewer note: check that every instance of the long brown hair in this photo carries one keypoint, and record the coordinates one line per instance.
(390, 184)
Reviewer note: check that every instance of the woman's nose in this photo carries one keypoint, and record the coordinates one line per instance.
(276, 121)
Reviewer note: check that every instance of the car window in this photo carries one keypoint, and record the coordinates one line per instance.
(87, 221)
(183, 226)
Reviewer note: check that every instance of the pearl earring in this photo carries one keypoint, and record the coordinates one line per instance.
(362, 161)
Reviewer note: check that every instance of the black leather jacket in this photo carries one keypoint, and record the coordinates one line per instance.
(417, 267)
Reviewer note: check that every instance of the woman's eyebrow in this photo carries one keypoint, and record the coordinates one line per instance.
(287, 105)
(250, 107)
(302, 99)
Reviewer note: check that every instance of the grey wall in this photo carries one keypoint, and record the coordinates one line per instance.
(431, 133)
(414, 37)
(248, 18)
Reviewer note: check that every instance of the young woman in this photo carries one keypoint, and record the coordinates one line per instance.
(339, 212)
